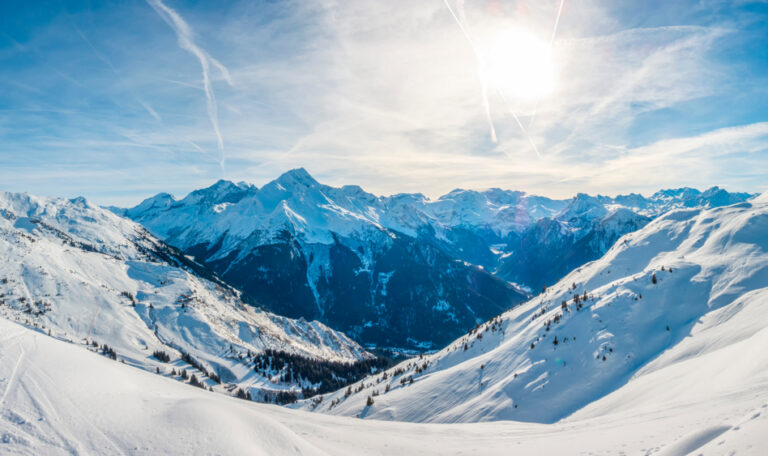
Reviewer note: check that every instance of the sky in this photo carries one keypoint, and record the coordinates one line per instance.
(117, 101)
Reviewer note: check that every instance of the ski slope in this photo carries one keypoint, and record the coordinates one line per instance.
(58, 398)
(675, 313)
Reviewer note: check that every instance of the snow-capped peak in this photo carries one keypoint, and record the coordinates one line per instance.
(582, 210)
(297, 176)
(159, 202)
(223, 191)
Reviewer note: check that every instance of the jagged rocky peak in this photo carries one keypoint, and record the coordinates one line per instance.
(676, 193)
(454, 193)
(160, 201)
(716, 196)
(294, 183)
(622, 214)
(223, 191)
(407, 198)
(357, 196)
(633, 200)
(502, 197)
(583, 206)
(297, 176)
(669, 199)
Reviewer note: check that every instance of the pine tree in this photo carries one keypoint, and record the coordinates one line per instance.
(241, 394)
(161, 356)
(195, 382)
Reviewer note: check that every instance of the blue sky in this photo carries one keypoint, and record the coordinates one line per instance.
(117, 101)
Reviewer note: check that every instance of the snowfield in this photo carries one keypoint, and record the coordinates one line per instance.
(57, 398)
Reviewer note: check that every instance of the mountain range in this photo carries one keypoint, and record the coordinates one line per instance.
(674, 313)
(80, 273)
(404, 270)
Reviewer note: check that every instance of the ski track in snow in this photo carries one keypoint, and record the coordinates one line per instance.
(13, 375)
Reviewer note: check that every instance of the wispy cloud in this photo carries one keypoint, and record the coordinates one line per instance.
(151, 111)
(386, 95)
(186, 42)
(722, 156)
(95, 51)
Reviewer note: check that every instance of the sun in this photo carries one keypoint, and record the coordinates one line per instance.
(518, 64)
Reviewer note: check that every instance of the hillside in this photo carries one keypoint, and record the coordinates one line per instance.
(81, 273)
(673, 313)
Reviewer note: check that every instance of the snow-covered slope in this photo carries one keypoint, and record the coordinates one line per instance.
(57, 398)
(82, 273)
(551, 248)
(587, 227)
(355, 261)
(674, 313)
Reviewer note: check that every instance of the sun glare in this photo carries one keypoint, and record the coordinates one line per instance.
(519, 64)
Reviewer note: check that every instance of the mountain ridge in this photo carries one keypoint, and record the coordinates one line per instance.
(349, 258)
(692, 283)
(82, 273)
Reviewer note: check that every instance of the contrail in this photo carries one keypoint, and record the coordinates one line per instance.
(185, 35)
(557, 22)
(484, 85)
(519, 124)
(480, 63)
(98, 54)
(487, 107)
(151, 111)
(551, 44)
